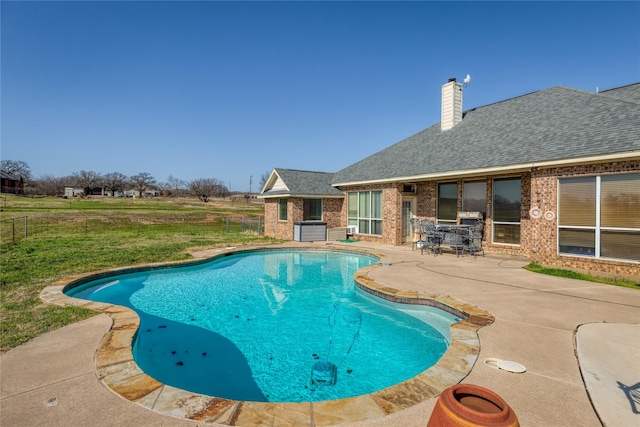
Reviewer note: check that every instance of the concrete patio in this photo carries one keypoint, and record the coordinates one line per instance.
(52, 380)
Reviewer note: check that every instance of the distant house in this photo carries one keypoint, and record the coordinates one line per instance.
(100, 191)
(555, 175)
(11, 184)
(136, 193)
(80, 191)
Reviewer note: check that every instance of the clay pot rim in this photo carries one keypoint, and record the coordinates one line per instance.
(480, 392)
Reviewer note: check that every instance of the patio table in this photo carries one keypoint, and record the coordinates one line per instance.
(453, 235)
(453, 227)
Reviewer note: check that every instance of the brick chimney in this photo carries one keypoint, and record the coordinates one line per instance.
(451, 104)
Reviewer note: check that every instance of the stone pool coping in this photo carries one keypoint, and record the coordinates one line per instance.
(118, 371)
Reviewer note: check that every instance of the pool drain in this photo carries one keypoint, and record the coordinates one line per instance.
(324, 373)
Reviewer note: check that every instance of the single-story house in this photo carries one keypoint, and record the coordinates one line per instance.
(555, 174)
(145, 193)
(292, 196)
(80, 191)
(11, 184)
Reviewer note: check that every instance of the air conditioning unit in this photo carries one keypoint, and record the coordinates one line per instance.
(409, 188)
(352, 229)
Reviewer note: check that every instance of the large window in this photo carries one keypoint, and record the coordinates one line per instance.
(364, 210)
(577, 216)
(599, 216)
(447, 202)
(282, 209)
(474, 197)
(506, 211)
(312, 210)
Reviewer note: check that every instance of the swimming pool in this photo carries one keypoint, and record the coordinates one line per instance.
(278, 326)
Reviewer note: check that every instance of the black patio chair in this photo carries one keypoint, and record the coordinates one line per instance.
(456, 242)
(432, 237)
(473, 243)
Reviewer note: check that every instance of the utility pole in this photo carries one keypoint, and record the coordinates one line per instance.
(250, 182)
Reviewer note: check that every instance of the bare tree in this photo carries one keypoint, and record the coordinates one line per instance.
(142, 182)
(263, 179)
(17, 168)
(114, 182)
(206, 188)
(222, 190)
(176, 184)
(47, 185)
(165, 188)
(88, 180)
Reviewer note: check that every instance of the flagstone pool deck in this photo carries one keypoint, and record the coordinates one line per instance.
(579, 341)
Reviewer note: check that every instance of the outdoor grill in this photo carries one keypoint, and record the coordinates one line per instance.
(469, 218)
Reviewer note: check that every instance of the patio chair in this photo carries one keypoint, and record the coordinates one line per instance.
(455, 241)
(473, 243)
(432, 237)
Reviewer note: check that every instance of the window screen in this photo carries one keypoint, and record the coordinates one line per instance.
(282, 209)
(312, 210)
(474, 197)
(506, 211)
(365, 210)
(447, 201)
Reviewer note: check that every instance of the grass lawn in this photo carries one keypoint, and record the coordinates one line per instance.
(569, 274)
(31, 263)
(13, 206)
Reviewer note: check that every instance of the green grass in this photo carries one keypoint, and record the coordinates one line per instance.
(569, 274)
(13, 206)
(32, 263)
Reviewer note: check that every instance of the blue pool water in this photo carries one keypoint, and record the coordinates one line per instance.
(278, 326)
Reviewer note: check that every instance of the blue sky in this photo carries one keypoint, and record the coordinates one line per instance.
(229, 90)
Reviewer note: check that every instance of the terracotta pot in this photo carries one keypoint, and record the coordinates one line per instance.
(468, 405)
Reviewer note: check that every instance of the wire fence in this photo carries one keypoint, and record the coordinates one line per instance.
(13, 230)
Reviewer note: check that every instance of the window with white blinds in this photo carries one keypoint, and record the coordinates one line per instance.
(577, 202)
(599, 216)
(620, 201)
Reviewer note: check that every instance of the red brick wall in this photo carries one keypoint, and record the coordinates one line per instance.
(332, 215)
(391, 211)
(541, 234)
(538, 236)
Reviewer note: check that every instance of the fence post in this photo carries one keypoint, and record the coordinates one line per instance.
(26, 226)
(86, 226)
(13, 230)
(227, 224)
(259, 226)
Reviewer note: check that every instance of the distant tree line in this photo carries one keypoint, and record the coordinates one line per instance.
(113, 183)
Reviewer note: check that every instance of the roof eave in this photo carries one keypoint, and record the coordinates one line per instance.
(300, 195)
(521, 167)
